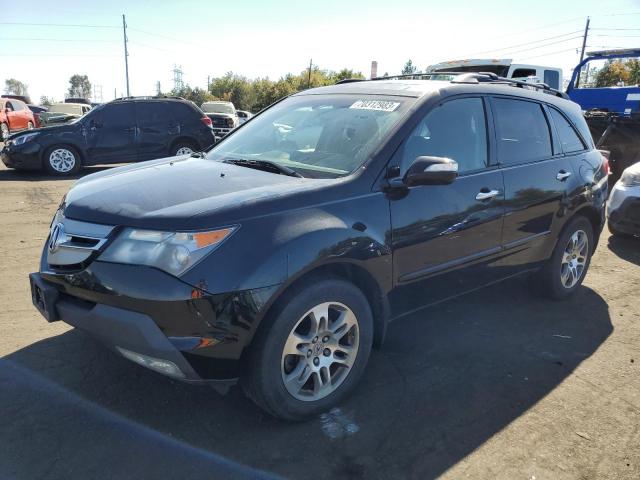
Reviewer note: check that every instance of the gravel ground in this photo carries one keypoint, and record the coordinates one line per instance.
(496, 384)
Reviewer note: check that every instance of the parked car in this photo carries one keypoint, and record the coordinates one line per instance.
(127, 130)
(623, 210)
(82, 100)
(58, 113)
(243, 116)
(37, 110)
(280, 256)
(223, 115)
(14, 117)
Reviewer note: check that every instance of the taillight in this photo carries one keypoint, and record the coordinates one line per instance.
(605, 161)
(207, 121)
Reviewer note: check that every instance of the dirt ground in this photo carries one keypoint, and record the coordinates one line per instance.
(497, 384)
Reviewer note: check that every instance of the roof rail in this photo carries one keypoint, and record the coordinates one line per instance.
(489, 77)
(479, 77)
(350, 80)
(149, 97)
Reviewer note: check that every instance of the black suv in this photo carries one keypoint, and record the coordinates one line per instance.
(280, 257)
(124, 130)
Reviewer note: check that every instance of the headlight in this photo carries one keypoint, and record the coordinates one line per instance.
(629, 179)
(25, 138)
(173, 252)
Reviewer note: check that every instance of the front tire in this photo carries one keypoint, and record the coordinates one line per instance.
(182, 148)
(62, 160)
(312, 352)
(564, 272)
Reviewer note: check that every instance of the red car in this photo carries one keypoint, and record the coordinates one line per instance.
(14, 116)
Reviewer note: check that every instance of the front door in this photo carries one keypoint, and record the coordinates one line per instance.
(111, 134)
(444, 237)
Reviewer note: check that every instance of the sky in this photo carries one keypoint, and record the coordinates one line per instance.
(43, 43)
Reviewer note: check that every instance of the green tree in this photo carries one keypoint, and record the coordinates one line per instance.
(79, 86)
(613, 72)
(15, 87)
(634, 71)
(409, 68)
(345, 74)
(45, 101)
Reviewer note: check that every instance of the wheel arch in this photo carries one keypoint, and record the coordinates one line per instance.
(595, 218)
(184, 139)
(343, 270)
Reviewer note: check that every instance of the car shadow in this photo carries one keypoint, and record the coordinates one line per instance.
(10, 175)
(627, 248)
(447, 379)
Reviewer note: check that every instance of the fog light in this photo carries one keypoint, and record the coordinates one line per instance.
(157, 364)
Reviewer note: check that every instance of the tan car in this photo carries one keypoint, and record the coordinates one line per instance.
(63, 113)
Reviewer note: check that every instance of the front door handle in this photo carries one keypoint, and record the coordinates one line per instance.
(563, 175)
(486, 195)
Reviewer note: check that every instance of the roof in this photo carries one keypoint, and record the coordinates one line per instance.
(404, 88)
(470, 62)
(462, 84)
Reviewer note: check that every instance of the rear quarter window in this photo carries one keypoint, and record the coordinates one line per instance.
(183, 113)
(567, 135)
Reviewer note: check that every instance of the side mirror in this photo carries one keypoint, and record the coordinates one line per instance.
(431, 171)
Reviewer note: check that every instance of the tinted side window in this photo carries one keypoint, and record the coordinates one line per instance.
(523, 72)
(456, 129)
(183, 113)
(552, 78)
(568, 137)
(117, 115)
(152, 113)
(522, 131)
(10, 106)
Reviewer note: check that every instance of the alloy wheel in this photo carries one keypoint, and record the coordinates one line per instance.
(320, 351)
(184, 151)
(62, 160)
(574, 259)
(4, 131)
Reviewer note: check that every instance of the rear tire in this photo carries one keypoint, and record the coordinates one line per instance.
(327, 327)
(564, 272)
(61, 160)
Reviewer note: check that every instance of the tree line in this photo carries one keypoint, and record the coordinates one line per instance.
(618, 73)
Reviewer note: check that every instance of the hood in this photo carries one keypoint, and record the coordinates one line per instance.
(177, 193)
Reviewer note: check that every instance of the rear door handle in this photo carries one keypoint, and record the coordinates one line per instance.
(563, 175)
(486, 195)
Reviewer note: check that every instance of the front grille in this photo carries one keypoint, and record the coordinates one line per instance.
(73, 244)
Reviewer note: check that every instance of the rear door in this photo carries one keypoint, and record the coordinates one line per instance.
(537, 176)
(15, 118)
(112, 134)
(444, 236)
(154, 129)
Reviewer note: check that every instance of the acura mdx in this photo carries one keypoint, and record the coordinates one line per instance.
(279, 258)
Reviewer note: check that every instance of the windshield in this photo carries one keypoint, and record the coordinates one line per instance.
(66, 108)
(218, 108)
(319, 136)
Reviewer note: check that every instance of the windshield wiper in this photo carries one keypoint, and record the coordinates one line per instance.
(265, 165)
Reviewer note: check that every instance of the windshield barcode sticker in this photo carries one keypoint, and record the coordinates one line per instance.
(375, 105)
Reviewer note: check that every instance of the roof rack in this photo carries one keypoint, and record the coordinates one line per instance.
(149, 97)
(477, 77)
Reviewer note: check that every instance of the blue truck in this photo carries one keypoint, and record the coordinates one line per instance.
(612, 113)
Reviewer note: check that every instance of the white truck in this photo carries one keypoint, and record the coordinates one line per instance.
(504, 67)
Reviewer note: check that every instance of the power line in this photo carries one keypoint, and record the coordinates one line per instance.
(58, 40)
(555, 53)
(527, 43)
(617, 29)
(542, 46)
(58, 25)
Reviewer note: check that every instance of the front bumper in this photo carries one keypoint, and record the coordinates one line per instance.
(623, 210)
(26, 156)
(148, 312)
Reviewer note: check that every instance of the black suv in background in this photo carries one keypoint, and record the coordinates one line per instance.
(280, 256)
(124, 130)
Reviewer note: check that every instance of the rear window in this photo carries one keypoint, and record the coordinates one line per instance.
(523, 131)
(568, 137)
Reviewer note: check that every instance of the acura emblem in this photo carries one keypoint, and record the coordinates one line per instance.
(58, 237)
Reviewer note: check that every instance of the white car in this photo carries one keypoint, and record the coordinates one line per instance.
(623, 210)
(243, 116)
(223, 116)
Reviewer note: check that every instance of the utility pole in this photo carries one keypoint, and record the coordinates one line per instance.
(208, 82)
(126, 53)
(309, 78)
(158, 89)
(584, 39)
